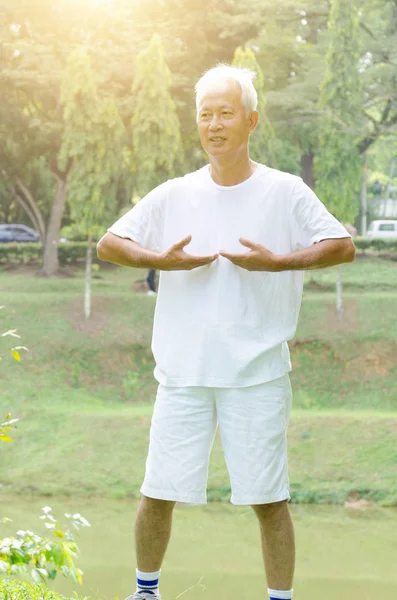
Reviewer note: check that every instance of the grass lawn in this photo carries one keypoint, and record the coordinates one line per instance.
(85, 391)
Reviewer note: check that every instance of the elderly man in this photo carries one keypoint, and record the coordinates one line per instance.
(231, 242)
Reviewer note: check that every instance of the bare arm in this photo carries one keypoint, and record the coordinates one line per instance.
(326, 253)
(125, 252)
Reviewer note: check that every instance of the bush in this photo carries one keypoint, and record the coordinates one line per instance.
(362, 243)
(16, 590)
(72, 252)
(42, 557)
(32, 253)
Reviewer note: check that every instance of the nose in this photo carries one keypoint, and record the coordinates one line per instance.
(215, 124)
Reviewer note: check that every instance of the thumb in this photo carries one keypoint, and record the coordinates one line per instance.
(247, 243)
(183, 243)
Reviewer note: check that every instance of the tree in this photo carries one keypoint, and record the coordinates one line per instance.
(156, 138)
(92, 141)
(338, 162)
(261, 143)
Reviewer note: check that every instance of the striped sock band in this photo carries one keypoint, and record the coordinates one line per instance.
(147, 582)
(280, 594)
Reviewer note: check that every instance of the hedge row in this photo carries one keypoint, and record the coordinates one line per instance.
(71, 252)
(31, 253)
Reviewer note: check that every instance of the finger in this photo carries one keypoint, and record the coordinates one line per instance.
(233, 257)
(202, 259)
(183, 242)
(248, 243)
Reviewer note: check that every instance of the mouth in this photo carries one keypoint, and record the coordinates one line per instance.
(217, 138)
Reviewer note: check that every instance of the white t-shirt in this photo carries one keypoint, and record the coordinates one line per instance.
(220, 325)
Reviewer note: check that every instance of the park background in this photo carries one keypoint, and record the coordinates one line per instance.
(96, 108)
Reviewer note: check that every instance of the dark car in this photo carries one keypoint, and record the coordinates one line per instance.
(17, 233)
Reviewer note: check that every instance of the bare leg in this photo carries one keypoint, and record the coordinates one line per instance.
(152, 532)
(278, 543)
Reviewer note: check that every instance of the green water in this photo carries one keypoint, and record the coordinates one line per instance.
(214, 552)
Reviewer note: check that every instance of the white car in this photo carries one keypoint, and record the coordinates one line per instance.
(383, 229)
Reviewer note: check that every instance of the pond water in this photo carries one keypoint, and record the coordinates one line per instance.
(214, 552)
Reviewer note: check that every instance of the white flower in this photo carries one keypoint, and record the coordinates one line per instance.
(49, 525)
(46, 509)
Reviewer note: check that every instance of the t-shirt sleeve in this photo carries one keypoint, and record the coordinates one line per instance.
(311, 222)
(144, 223)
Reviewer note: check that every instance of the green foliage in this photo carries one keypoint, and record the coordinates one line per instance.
(20, 253)
(156, 138)
(261, 142)
(72, 252)
(92, 139)
(31, 253)
(43, 557)
(338, 161)
(27, 552)
(21, 590)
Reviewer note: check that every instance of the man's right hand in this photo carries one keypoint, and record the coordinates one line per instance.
(176, 259)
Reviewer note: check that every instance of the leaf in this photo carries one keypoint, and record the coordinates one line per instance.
(44, 572)
(36, 576)
(56, 556)
(16, 355)
(5, 438)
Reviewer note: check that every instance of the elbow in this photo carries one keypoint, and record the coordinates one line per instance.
(100, 250)
(350, 253)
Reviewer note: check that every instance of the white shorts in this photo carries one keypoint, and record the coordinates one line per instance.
(252, 423)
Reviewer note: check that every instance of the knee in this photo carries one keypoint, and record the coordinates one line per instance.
(157, 505)
(271, 510)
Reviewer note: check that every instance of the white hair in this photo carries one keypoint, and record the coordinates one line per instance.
(223, 72)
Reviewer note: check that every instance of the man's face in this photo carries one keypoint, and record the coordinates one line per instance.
(223, 125)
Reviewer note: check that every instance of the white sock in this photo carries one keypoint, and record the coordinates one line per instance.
(280, 594)
(148, 582)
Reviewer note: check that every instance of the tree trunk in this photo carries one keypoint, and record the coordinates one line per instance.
(339, 297)
(50, 258)
(307, 170)
(364, 196)
(88, 263)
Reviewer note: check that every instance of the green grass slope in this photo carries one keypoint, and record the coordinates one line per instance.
(85, 391)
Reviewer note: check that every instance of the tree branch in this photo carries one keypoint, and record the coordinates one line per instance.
(386, 111)
(393, 120)
(363, 25)
(28, 211)
(33, 207)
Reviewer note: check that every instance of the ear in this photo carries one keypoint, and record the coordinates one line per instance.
(253, 121)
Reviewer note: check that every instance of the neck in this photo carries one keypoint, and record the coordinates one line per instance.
(225, 171)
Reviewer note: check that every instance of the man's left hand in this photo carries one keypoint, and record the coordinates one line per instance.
(259, 259)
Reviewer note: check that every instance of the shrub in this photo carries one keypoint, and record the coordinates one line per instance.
(16, 590)
(72, 252)
(42, 557)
